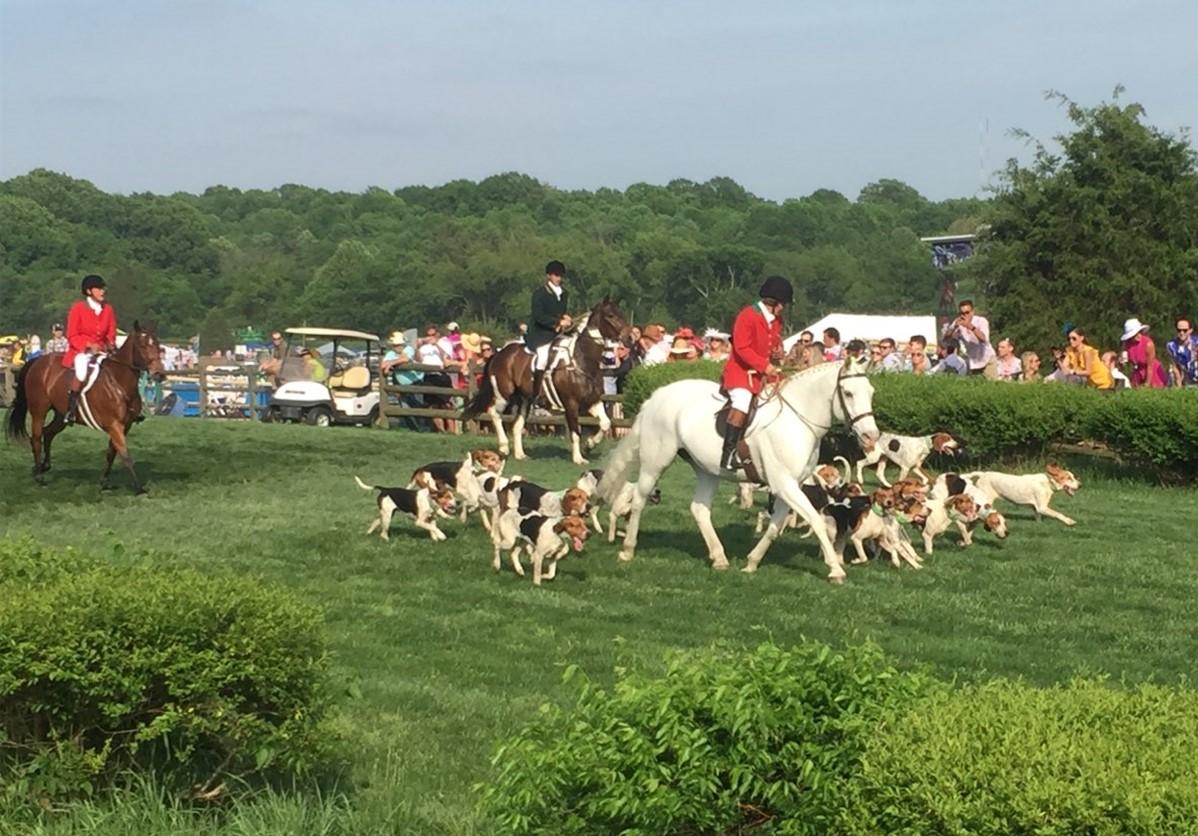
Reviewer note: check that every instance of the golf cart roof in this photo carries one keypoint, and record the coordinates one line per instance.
(332, 332)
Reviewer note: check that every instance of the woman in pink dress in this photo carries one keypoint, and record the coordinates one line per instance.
(1146, 370)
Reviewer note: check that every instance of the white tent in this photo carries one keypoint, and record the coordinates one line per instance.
(871, 328)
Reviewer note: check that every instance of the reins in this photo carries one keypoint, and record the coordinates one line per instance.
(849, 420)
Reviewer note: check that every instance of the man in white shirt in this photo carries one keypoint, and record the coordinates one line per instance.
(890, 360)
(973, 332)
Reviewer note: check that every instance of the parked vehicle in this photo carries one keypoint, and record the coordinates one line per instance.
(327, 376)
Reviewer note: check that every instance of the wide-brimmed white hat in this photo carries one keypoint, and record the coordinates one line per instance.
(714, 334)
(1132, 327)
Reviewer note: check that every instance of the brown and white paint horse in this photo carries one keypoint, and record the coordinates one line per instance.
(112, 403)
(507, 380)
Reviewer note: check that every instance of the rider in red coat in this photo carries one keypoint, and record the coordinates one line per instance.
(91, 328)
(756, 353)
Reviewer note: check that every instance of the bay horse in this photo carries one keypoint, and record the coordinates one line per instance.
(507, 379)
(112, 404)
(679, 419)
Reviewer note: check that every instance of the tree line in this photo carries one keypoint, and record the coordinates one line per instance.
(684, 252)
(1100, 229)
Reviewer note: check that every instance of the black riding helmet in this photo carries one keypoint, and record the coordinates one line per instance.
(92, 281)
(777, 287)
(555, 268)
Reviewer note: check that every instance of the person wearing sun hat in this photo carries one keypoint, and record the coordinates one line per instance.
(1146, 369)
(715, 344)
(399, 355)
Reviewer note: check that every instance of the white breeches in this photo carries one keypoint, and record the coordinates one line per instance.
(81, 362)
(540, 357)
(740, 399)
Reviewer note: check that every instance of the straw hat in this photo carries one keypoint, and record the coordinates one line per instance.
(1132, 327)
(472, 342)
(681, 346)
(397, 338)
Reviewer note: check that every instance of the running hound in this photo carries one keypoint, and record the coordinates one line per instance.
(908, 452)
(423, 504)
(545, 538)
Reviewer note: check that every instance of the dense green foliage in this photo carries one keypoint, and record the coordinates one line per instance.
(808, 740)
(1006, 758)
(725, 740)
(685, 252)
(106, 667)
(1157, 429)
(643, 381)
(1101, 229)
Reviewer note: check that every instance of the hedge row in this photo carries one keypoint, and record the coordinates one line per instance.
(1156, 429)
(105, 668)
(808, 740)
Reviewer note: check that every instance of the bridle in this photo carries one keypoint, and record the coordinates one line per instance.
(844, 407)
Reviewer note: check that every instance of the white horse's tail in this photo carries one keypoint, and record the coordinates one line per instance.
(625, 456)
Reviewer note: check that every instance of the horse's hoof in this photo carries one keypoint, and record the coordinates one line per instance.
(836, 579)
(625, 557)
(720, 567)
(749, 569)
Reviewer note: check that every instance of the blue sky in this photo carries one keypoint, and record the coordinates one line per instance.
(784, 97)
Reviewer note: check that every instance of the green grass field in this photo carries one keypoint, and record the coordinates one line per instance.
(448, 657)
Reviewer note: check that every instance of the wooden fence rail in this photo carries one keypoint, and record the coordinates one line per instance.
(8, 383)
(391, 405)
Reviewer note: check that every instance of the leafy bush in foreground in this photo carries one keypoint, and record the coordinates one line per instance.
(1006, 758)
(725, 740)
(104, 668)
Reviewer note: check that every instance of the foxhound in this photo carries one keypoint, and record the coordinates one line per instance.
(1034, 489)
(908, 452)
(423, 504)
(546, 539)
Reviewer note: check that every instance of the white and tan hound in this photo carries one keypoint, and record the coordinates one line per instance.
(1034, 489)
(908, 452)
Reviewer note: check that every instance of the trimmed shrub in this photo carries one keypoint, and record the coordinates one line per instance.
(1006, 758)
(1153, 427)
(725, 740)
(643, 381)
(105, 668)
(994, 420)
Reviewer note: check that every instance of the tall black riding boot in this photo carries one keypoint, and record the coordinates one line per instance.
(538, 379)
(732, 436)
(72, 406)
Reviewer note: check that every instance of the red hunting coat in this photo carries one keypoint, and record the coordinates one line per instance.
(86, 328)
(754, 341)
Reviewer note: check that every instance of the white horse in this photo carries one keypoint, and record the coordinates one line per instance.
(679, 419)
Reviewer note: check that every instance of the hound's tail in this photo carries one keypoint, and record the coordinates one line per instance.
(20, 407)
(623, 459)
(485, 396)
(364, 486)
(848, 468)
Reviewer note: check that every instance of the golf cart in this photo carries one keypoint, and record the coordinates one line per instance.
(327, 376)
